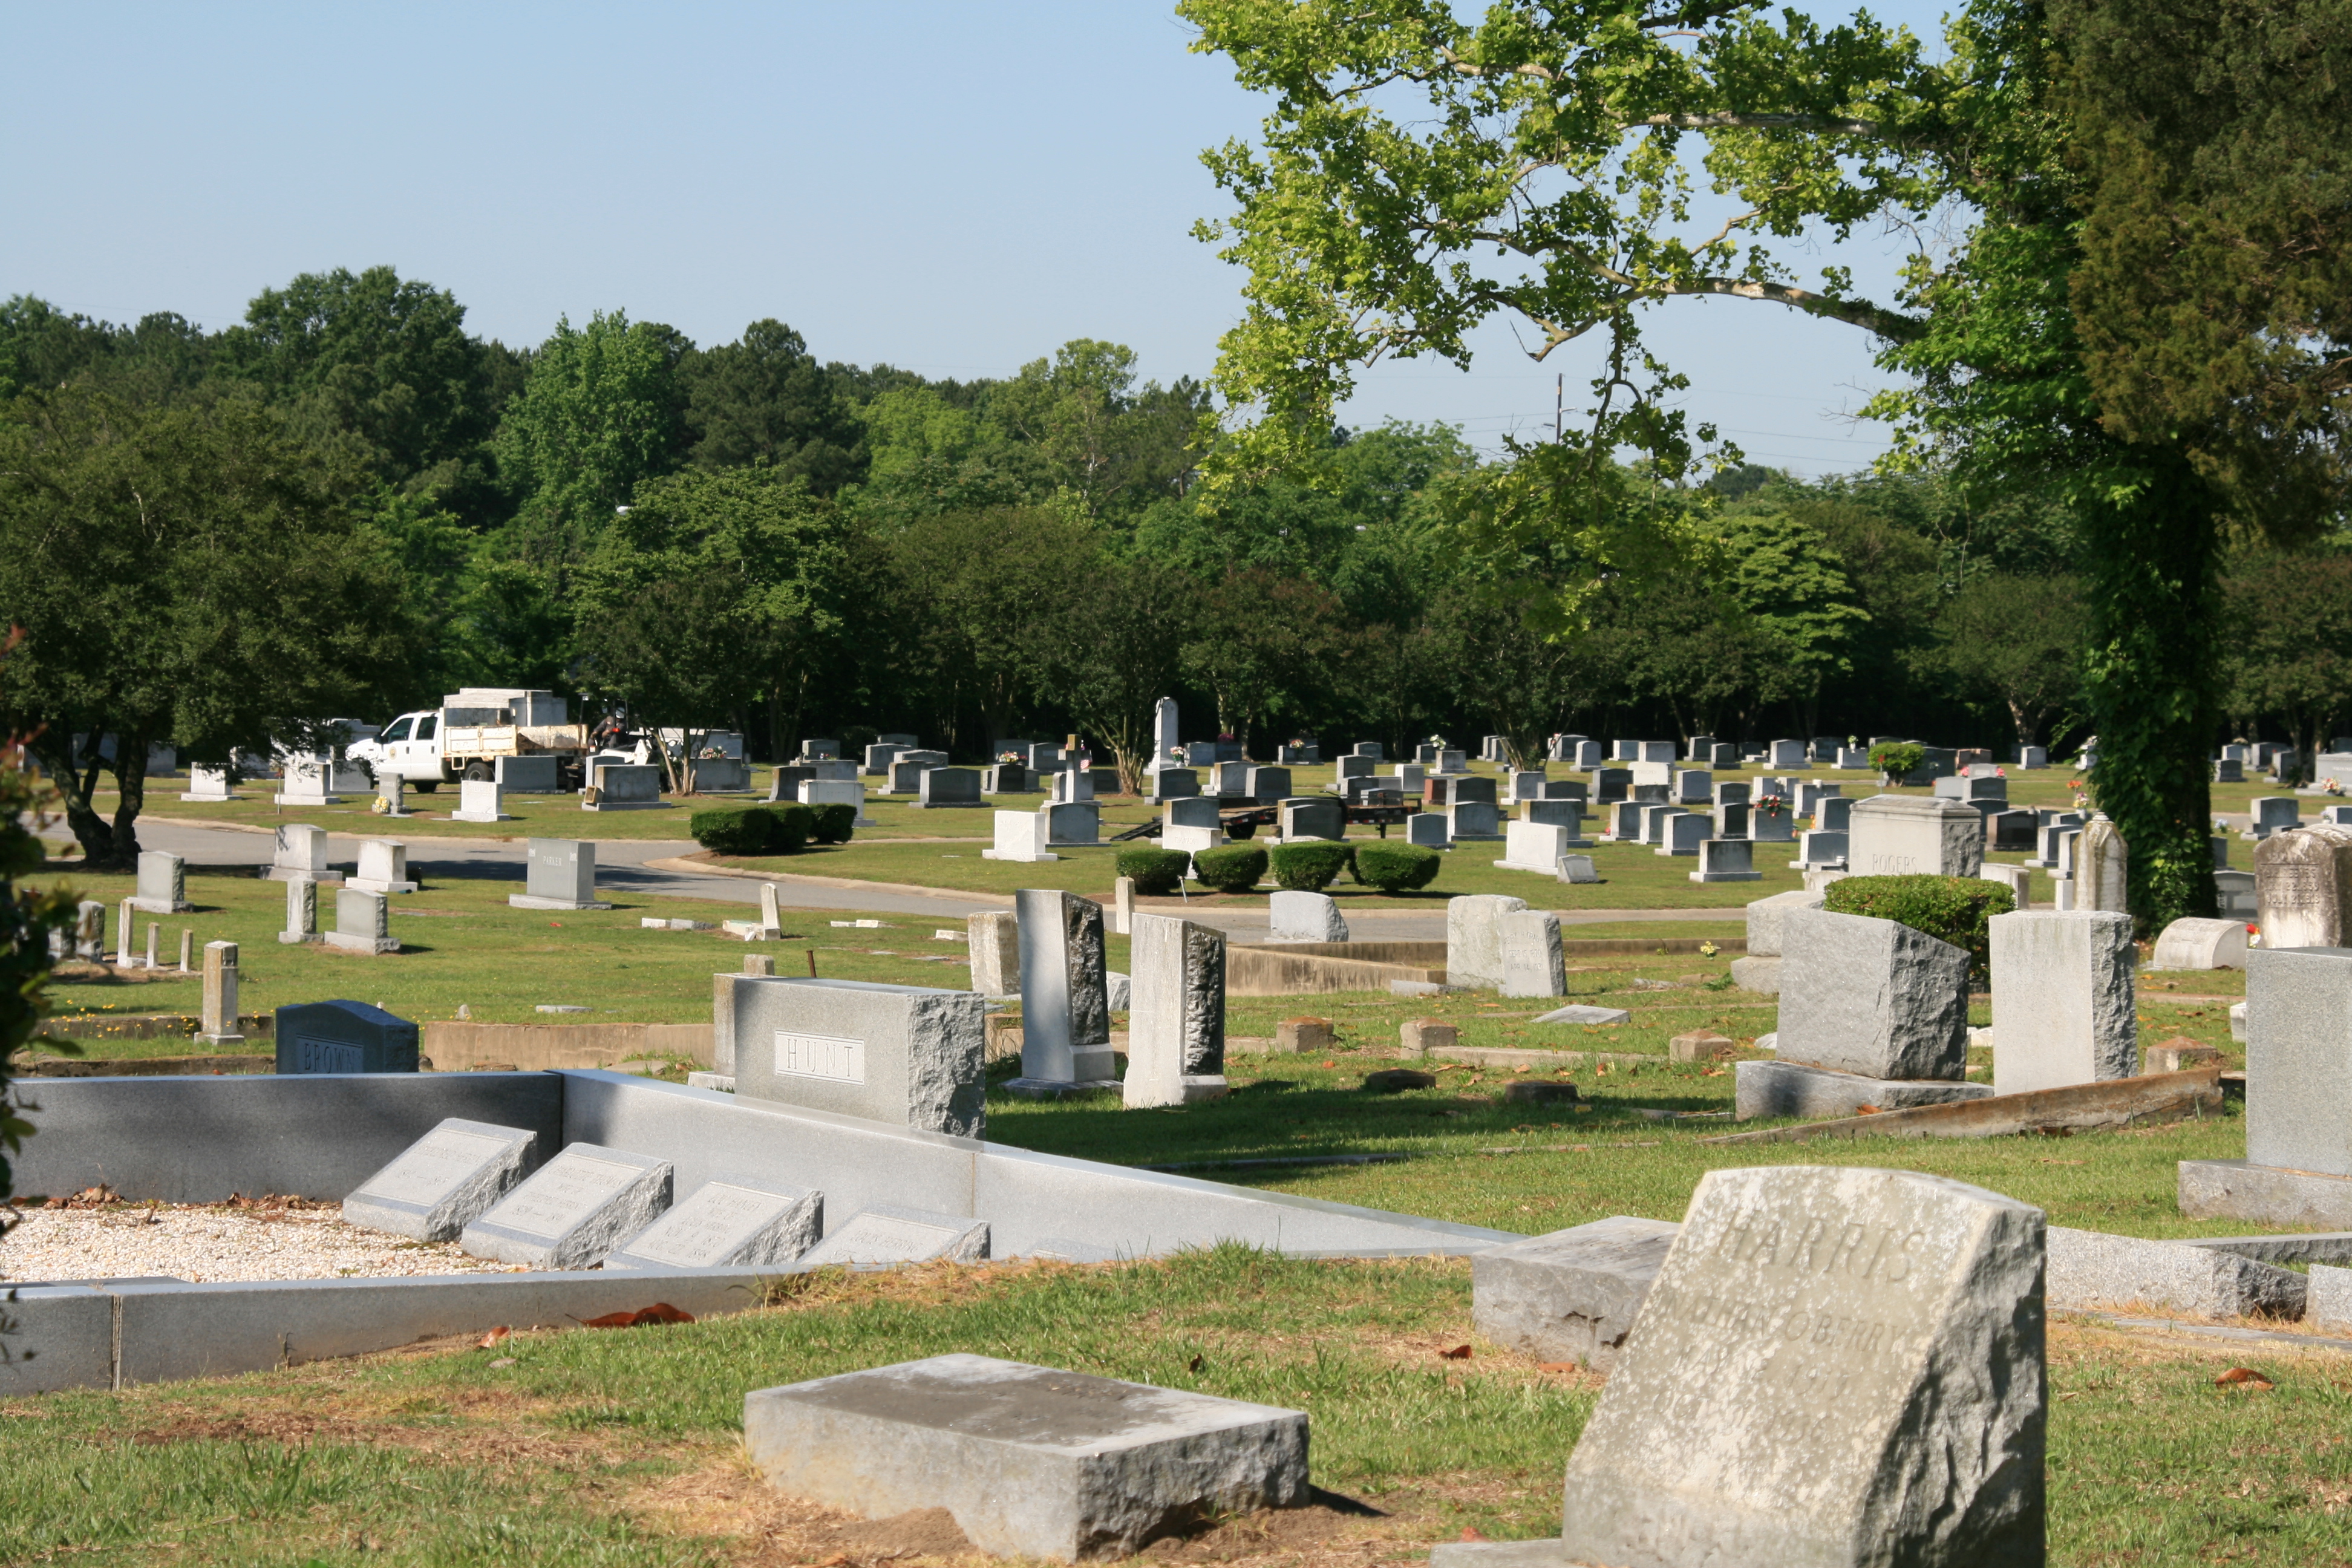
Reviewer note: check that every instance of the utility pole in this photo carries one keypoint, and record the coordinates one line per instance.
(1558, 396)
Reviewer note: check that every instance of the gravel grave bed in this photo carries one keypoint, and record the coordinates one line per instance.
(206, 1243)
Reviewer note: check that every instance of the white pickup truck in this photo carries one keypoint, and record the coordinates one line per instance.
(465, 736)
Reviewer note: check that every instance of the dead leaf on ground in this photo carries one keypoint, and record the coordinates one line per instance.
(659, 1312)
(1459, 1353)
(2243, 1377)
(1558, 1366)
(1470, 1532)
(490, 1341)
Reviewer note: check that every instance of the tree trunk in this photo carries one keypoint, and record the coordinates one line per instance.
(105, 846)
(2149, 562)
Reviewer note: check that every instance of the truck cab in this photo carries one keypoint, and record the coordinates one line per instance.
(407, 748)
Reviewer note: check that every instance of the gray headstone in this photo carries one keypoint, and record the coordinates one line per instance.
(301, 851)
(1309, 818)
(884, 1234)
(1532, 960)
(1304, 917)
(2299, 1058)
(2301, 884)
(1267, 785)
(948, 787)
(1065, 1006)
(1726, 860)
(162, 884)
(1568, 814)
(1172, 783)
(439, 1183)
(1426, 828)
(1197, 811)
(1032, 1462)
(904, 1054)
(1611, 784)
(1835, 815)
(1473, 937)
(344, 1037)
(2062, 999)
(559, 874)
(1571, 1295)
(2014, 830)
(1072, 822)
(1834, 1367)
(1176, 1023)
(573, 1209)
(362, 922)
(1870, 998)
(628, 783)
(730, 1220)
(1897, 836)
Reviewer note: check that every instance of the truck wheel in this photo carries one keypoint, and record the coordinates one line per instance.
(424, 786)
(480, 773)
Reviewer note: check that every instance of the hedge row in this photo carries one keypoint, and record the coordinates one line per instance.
(1950, 909)
(1387, 864)
(771, 829)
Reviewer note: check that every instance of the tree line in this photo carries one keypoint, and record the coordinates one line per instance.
(346, 505)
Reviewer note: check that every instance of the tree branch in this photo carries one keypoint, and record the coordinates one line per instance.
(1724, 120)
(1890, 324)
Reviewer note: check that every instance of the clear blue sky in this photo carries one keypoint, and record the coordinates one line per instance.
(952, 188)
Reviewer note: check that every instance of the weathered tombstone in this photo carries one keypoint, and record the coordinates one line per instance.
(2102, 877)
(1726, 859)
(441, 1183)
(768, 927)
(906, 1055)
(994, 937)
(1064, 1001)
(624, 786)
(362, 922)
(1533, 846)
(573, 1209)
(1427, 829)
(162, 884)
(947, 786)
(1847, 1367)
(882, 1233)
(481, 800)
(2303, 885)
(994, 1445)
(217, 1024)
(734, 1221)
(301, 851)
(383, 868)
(1894, 836)
(343, 1038)
(559, 874)
(2200, 944)
(1473, 942)
(89, 930)
(1529, 944)
(1307, 818)
(208, 782)
(307, 780)
(1304, 917)
(1571, 1296)
(1176, 1023)
(2062, 999)
(837, 791)
(1870, 998)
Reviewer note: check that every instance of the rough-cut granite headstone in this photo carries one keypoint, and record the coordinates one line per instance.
(1064, 1001)
(1030, 1461)
(1834, 1368)
(1473, 941)
(440, 1183)
(573, 1210)
(1870, 998)
(906, 1055)
(1570, 1295)
(1304, 917)
(2303, 885)
(1176, 1023)
(2062, 999)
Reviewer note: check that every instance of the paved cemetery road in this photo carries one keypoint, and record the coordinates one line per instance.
(622, 865)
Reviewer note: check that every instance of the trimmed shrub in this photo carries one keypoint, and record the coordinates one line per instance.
(1157, 872)
(1234, 869)
(734, 831)
(1950, 909)
(1392, 865)
(833, 824)
(1898, 759)
(1310, 867)
(795, 825)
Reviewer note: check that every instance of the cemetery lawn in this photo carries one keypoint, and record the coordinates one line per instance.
(622, 1448)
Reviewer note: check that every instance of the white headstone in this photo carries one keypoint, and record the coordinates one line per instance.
(383, 868)
(1897, 836)
(481, 800)
(2062, 999)
(1176, 1019)
(1304, 917)
(362, 922)
(1531, 954)
(1064, 1003)
(573, 1210)
(994, 937)
(1473, 941)
(560, 874)
(1020, 836)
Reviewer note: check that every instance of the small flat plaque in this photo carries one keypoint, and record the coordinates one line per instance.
(569, 1189)
(820, 1056)
(884, 1235)
(724, 1221)
(434, 1166)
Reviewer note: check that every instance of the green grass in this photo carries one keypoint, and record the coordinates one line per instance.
(620, 1449)
(462, 944)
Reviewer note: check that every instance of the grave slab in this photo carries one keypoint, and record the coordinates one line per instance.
(441, 1183)
(1030, 1461)
(2239, 1189)
(1819, 1094)
(2090, 1268)
(884, 1234)
(573, 1210)
(1570, 1295)
(1585, 1013)
(730, 1220)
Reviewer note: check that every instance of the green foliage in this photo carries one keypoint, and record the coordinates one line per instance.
(27, 916)
(1156, 872)
(1308, 867)
(765, 400)
(1950, 909)
(599, 413)
(832, 824)
(1393, 865)
(756, 829)
(1230, 868)
(2013, 642)
(1897, 759)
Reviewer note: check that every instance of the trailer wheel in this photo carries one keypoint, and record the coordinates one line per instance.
(479, 772)
(424, 786)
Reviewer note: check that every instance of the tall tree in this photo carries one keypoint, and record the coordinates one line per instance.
(1115, 651)
(765, 399)
(2287, 651)
(600, 411)
(188, 573)
(2015, 641)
